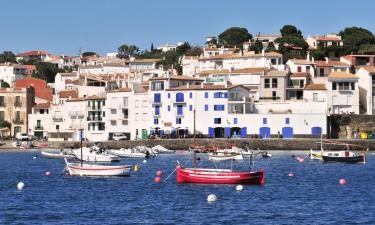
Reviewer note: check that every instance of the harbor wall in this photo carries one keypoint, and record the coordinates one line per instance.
(348, 126)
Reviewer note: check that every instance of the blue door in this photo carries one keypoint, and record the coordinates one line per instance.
(265, 132)
(161, 133)
(179, 110)
(287, 132)
(157, 110)
(211, 132)
(179, 97)
(243, 132)
(316, 131)
(227, 132)
(157, 97)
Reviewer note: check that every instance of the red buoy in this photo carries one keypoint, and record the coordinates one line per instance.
(342, 181)
(159, 173)
(157, 180)
(301, 160)
(291, 174)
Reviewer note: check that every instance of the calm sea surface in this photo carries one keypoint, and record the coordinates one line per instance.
(312, 196)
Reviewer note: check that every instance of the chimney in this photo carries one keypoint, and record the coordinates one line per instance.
(308, 56)
(262, 52)
(312, 59)
(326, 58)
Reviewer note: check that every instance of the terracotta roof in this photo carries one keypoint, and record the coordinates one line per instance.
(93, 97)
(342, 75)
(32, 53)
(40, 86)
(121, 90)
(43, 106)
(28, 67)
(68, 94)
(238, 71)
(370, 69)
(316, 87)
(205, 87)
(330, 63)
(277, 73)
(177, 78)
(300, 74)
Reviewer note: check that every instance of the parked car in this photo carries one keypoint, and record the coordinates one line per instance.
(24, 137)
(119, 137)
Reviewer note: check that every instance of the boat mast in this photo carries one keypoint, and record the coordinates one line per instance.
(81, 133)
(194, 144)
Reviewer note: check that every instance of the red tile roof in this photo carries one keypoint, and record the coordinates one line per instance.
(46, 105)
(41, 89)
(32, 53)
(316, 87)
(68, 94)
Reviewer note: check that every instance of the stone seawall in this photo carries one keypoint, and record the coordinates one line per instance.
(263, 144)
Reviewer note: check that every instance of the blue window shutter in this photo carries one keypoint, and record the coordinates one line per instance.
(205, 107)
(179, 97)
(191, 95)
(169, 95)
(264, 120)
(157, 110)
(227, 132)
(226, 95)
(169, 108)
(287, 121)
(206, 95)
(156, 121)
(211, 132)
(161, 133)
(235, 121)
(243, 132)
(179, 110)
(157, 97)
(190, 107)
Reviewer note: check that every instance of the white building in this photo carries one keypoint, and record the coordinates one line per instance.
(167, 47)
(6, 73)
(64, 81)
(324, 41)
(343, 93)
(366, 82)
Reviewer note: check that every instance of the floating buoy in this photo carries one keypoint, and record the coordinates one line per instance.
(301, 160)
(157, 180)
(159, 173)
(211, 198)
(239, 187)
(291, 175)
(20, 185)
(48, 173)
(298, 158)
(135, 167)
(34, 157)
(144, 161)
(342, 181)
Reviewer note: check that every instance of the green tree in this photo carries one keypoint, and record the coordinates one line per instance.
(194, 51)
(367, 49)
(285, 43)
(88, 54)
(4, 123)
(234, 36)
(354, 37)
(183, 48)
(4, 84)
(46, 71)
(7, 56)
(127, 50)
(270, 47)
(212, 43)
(257, 47)
(290, 30)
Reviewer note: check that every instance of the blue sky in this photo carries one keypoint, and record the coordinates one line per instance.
(65, 26)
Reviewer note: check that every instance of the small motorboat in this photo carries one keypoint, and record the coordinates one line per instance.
(162, 150)
(94, 154)
(343, 156)
(86, 169)
(224, 155)
(316, 154)
(60, 155)
(127, 153)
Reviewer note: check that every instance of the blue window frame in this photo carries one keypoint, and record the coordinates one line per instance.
(264, 120)
(191, 95)
(178, 120)
(179, 97)
(287, 121)
(156, 121)
(217, 120)
(205, 107)
(190, 107)
(157, 97)
(221, 95)
(179, 110)
(235, 121)
(205, 94)
(169, 108)
(169, 95)
(157, 110)
(219, 107)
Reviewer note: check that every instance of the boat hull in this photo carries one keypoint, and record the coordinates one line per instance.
(352, 159)
(49, 155)
(316, 155)
(222, 157)
(75, 169)
(214, 176)
(124, 154)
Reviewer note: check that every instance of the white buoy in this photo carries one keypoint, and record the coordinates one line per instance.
(239, 187)
(211, 198)
(34, 157)
(20, 185)
(144, 161)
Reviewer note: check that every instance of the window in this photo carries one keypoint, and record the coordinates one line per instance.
(352, 84)
(156, 121)
(157, 97)
(2, 101)
(157, 110)
(205, 107)
(206, 95)
(178, 120)
(321, 72)
(264, 120)
(18, 115)
(273, 61)
(344, 86)
(125, 112)
(169, 95)
(125, 101)
(235, 121)
(2, 115)
(57, 127)
(217, 120)
(113, 111)
(287, 121)
(191, 95)
(307, 69)
(266, 83)
(157, 86)
(315, 97)
(179, 97)
(274, 83)
(169, 108)
(334, 86)
(219, 107)
(180, 110)
(190, 107)
(220, 95)
(113, 122)
(299, 69)
(274, 96)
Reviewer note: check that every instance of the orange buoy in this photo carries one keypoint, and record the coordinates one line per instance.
(342, 181)
(157, 180)
(159, 173)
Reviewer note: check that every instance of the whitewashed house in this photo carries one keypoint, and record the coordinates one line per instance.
(6, 73)
(366, 82)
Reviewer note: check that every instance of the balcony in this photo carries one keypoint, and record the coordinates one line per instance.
(2, 104)
(38, 128)
(157, 102)
(179, 114)
(239, 99)
(94, 108)
(178, 100)
(17, 104)
(94, 118)
(57, 119)
(17, 121)
(155, 114)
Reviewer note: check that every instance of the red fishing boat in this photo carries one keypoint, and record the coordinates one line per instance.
(216, 176)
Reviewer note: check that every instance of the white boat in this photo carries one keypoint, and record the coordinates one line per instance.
(93, 155)
(224, 155)
(85, 169)
(127, 153)
(316, 155)
(60, 155)
(162, 150)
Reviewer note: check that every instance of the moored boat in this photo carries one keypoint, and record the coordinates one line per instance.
(162, 150)
(94, 155)
(85, 169)
(343, 156)
(127, 153)
(224, 155)
(60, 155)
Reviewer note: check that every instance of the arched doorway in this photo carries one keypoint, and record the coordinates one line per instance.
(219, 132)
(265, 132)
(287, 132)
(235, 132)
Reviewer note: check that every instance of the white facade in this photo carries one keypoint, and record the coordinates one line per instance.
(7, 74)
(61, 78)
(104, 69)
(366, 83)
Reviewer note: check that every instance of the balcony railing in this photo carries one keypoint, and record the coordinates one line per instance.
(17, 104)
(155, 114)
(179, 114)
(57, 119)
(17, 121)
(2, 104)
(95, 118)
(38, 128)
(94, 108)
(157, 102)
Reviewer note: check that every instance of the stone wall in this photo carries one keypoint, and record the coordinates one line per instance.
(350, 126)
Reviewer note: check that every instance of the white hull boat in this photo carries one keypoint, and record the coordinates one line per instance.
(76, 169)
(222, 156)
(93, 156)
(162, 150)
(127, 153)
(61, 155)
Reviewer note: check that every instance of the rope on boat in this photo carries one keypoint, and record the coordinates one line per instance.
(175, 170)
